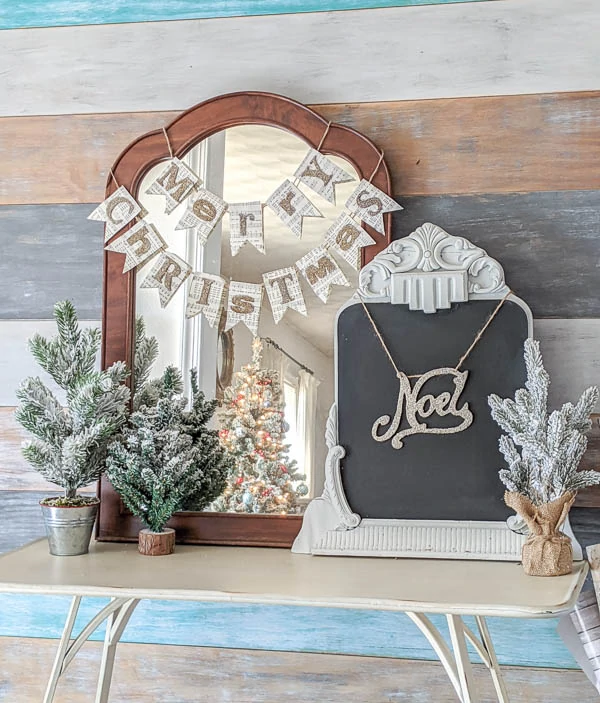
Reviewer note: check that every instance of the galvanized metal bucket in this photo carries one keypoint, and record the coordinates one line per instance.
(69, 529)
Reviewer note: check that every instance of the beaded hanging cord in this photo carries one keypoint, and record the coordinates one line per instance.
(410, 404)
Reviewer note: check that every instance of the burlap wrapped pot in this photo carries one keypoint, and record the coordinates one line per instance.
(547, 551)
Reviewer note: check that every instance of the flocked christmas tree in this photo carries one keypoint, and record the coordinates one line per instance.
(551, 446)
(168, 459)
(69, 442)
(263, 478)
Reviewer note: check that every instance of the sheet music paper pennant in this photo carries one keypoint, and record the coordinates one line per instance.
(246, 225)
(290, 204)
(347, 238)
(284, 291)
(139, 244)
(321, 175)
(175, 182)
(202, 214)
(118, 210)
(205, 295)
(369, 204)
(321, 271)
(167, 274)
(243, 305)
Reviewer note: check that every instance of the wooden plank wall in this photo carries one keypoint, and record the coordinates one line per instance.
(489, 116)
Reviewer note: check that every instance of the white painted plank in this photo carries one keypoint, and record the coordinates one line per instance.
(488, 48)
(16, 361)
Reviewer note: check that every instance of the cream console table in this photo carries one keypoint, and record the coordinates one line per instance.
(278, 577)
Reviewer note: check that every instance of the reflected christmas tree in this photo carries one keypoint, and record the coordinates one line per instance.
(263, 479)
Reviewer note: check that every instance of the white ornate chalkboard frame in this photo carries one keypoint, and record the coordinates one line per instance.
(428, 271)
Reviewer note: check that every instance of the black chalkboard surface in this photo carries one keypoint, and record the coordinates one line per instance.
(432, 477)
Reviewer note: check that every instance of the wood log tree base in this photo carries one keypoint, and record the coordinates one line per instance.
(156, 544)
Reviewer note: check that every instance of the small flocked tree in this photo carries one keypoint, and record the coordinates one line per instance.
(167, 458)
(543, 451)
(69, 443)
(263, 478)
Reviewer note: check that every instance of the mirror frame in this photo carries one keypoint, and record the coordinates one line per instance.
(115, 523)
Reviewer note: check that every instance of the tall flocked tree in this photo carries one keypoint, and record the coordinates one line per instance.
(543, 451)
(69, 443)
(263, 478)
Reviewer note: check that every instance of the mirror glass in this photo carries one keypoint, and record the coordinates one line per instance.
(296, 375)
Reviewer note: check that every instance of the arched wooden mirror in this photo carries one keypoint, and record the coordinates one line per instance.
(243, 146)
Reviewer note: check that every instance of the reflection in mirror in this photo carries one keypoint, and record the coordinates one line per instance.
(274, 395)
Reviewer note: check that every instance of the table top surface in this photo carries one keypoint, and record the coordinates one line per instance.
(278, 577)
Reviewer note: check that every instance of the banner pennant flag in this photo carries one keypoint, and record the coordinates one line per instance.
(321, 175)
(347, 238)
(243, 305)
(205, 295)
(246, 225)
(139, 244)
(175, 182)
(118, 210)
(202, 214)
(321, 271)
(167, 274)
(284, 291)
(290, 204)
(369, 204)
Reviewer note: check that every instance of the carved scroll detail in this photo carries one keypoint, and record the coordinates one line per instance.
(431, 269)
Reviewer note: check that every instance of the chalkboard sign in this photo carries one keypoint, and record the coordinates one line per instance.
(432, 476)
(412, 467)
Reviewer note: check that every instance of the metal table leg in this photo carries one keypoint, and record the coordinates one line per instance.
(117, 612)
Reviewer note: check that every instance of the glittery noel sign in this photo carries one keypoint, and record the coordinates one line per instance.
(205, 295)
(369, 204)
(321, 272)
(243, 305)
(202, 214)
(118, 210)
(167, 274)
(347, 238)
(321, 175)
(290, 204)
(246, 225)
(139, 244)
(175, 183)
(284, 291)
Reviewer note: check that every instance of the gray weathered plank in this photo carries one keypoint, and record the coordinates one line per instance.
(487, 48)
(20, 518)
(548, 243)
(164, 674)
(49, 253)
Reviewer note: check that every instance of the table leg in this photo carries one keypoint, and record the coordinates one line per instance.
(63, 648)
(494, 668)
(117, 614)
(115, 626)
(461, 655)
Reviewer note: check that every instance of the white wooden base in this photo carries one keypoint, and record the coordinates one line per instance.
(455, 661)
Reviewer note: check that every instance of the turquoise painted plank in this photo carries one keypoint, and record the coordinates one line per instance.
(60, 13)
(360, 632)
